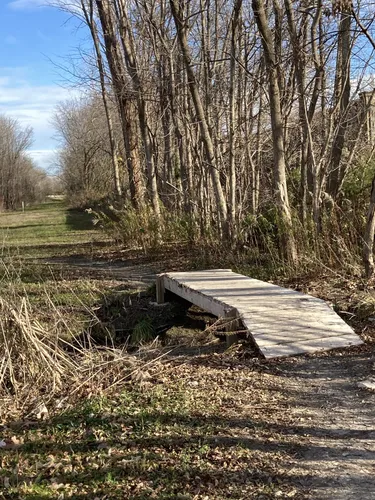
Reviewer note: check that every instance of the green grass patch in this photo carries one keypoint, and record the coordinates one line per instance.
(175, 438)
(47, 229)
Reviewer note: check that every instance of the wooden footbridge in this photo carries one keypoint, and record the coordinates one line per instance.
(281, 321)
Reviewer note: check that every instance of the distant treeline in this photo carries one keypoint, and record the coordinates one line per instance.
(20, 180)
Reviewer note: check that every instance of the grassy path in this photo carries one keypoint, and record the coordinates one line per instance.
(47, 230)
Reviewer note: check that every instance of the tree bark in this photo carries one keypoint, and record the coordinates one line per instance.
(119, 83)
(181, 27)
(336, 172)
(232, 117)
(368, 248)
(133, 70)
(287, 241)
(90, 21)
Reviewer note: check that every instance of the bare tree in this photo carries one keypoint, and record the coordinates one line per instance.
(221, 125)
(14, 142)
(124, 97)
(181, 27)
(281, 191)
(88, 13)
(85, 152)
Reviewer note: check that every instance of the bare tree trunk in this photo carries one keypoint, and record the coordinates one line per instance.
(133, 69)
(90, 21)
(368, 248)
(258, 147)
(133, 160)
(336, 171)
(181, 27)
(286, 230)
(170, 160)
(118, 74)
(232, 118)
(181, 139)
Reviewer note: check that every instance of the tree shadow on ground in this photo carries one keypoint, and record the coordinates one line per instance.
(201, 461)
(149, 452)
(79, 220)
(153, 454)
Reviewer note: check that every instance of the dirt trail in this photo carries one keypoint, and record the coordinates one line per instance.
(121, 271)
(336, 422)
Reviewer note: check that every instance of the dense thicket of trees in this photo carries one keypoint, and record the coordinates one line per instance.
(20, 180)
(225, 112)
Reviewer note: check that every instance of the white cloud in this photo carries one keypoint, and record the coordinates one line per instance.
(4, 80)
(69, 5)
(32, 105)
(27, 4)
(44, 158)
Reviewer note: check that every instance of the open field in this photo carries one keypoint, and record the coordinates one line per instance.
(48, 229)
(182, 416)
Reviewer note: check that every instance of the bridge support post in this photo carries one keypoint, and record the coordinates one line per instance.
(160, 289)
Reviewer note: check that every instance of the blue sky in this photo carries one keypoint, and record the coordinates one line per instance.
(32, 35)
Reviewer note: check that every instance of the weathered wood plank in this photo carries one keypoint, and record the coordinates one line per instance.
(282, 322)
(160, 289)
(312, 345)
(199, 298)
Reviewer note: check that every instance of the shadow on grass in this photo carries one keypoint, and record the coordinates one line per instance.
(59, 253)
(152, 445)
(166, 455)
(152, 454)
(33, 226)
(79, 220)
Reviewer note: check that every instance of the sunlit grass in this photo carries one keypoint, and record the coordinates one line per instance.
(169, 439)
(49, 224)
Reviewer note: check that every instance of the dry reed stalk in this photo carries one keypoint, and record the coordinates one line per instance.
(31, 353)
